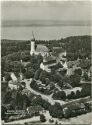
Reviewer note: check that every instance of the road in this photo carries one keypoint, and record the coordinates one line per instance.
(49, 97)
(23, 121)
(46, 97)
(84, 119)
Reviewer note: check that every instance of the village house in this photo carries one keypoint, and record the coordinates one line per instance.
(47, 63)
(73, 109)
(57, 55)
(60, 55)
(40, 49)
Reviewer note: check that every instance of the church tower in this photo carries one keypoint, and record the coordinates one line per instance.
(32, 49)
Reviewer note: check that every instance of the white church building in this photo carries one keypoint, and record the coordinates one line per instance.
(59, 54)
(40, 49)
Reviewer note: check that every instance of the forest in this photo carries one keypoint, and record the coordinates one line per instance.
(13, 52)
(74, 45)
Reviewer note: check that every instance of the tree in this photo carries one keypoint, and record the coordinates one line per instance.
(29, 73)
(74, 80)
(47, 81)
(61, 95)
(39, 59)
(37, 101)
(34, 62)
(85, 63)
(78, 71)
(56, 110)
(7, 77)
(83, 93)
(85, 76)
(73, 95)
(25, 123)
(63, 72)
(88, 107)
(4, 85)
(81, 45)
(43, 76)
(42, 118)
(78, 94)
(2, 65)
(56, 123)
(86, 90)
(69, 96)
(25, 101)
(57, 78)
(8, 97)
(37, 74)
(66, 112)
(33, 84)
(3, 112)
(45, 104)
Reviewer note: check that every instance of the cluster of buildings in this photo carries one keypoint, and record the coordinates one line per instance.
(58, 55)
(50, 59)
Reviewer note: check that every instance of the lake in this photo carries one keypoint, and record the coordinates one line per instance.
(43, 32)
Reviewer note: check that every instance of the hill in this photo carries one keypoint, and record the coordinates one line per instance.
(76, 46)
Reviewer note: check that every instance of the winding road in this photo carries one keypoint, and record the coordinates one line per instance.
(49, 97)
(46, 97)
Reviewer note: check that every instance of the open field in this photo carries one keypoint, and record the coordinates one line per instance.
(82, 119)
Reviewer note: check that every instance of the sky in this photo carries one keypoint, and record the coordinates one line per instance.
(21, 10)
(48, 20)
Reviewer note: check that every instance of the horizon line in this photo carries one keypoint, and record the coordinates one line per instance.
(43, 23)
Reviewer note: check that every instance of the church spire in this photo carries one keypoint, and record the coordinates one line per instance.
(32, 45)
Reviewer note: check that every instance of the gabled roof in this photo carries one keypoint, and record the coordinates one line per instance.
(49, 60)
(42, 48)
(54, 48)
(57, 51)
(74, 106)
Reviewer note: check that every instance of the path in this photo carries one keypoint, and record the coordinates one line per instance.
(22, 121)
(49, 97)
(46, 97)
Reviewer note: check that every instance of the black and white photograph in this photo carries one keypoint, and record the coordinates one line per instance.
(46, 67)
